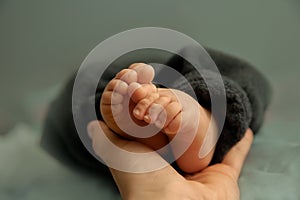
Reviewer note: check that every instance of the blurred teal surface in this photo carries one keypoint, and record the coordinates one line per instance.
(43, 42)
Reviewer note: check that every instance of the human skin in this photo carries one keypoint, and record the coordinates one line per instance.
(216, 182)
(134, 86)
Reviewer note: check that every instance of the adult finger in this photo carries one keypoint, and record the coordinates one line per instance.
(236, 156)
(120, 154)
(98, 130)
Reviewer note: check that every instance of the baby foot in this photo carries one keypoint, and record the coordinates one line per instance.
(171, 111)
(119, 98)
(176, 112)
(131, 94)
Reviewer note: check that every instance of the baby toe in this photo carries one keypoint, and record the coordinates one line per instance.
(153, 113)
(161, 120)
(116, 109)
(145, 73)
(117, 85)
(170, 112)
(143, 105)
(116, 98)
(127, 75)
(110, 97)
(137, 91)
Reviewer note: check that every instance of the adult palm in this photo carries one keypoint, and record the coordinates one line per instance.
(216, 182)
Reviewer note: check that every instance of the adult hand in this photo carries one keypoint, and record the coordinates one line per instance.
(219, 181)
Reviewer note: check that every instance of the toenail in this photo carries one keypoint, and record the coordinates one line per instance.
(147, 118)
(136, 112)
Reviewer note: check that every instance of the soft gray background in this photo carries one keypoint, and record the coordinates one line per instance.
(43, 42)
